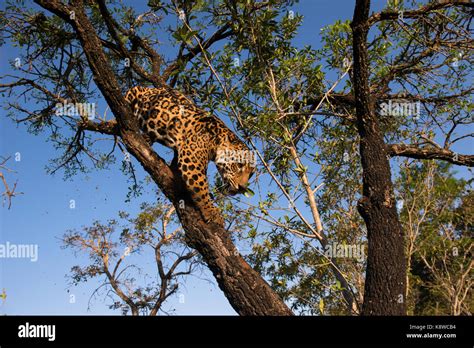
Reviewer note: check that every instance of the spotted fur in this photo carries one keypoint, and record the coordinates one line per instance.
(197, 137)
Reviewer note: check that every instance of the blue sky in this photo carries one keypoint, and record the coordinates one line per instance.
(42, 214)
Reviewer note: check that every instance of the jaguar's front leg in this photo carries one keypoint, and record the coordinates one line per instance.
(193, 171)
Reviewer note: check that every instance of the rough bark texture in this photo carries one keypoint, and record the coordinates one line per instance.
(246, 290)
(386, 266)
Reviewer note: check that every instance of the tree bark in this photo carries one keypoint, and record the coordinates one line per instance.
(246, 290)
(386, 265)
(417, 152)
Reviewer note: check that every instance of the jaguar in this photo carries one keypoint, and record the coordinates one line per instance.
(197, 137)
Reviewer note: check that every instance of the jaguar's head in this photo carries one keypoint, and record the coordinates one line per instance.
(236, 166)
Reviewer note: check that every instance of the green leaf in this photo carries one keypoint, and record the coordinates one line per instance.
(249, 193)
(321, 305)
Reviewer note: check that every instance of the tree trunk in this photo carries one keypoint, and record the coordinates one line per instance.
(386, 266)
(246, 290)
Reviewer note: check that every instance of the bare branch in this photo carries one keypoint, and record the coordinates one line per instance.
(10, 192)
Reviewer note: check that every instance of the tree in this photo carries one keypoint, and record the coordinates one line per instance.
(274, 110)
(134, 291)
(10, 191)
(436, 217)
(83, 41)
(386, 265)
(385, 276)
(302, 126)
(281, 111)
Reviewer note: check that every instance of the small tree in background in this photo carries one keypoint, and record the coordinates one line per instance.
(112, 247)
(437, 213)
(10, 190)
